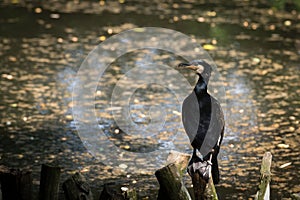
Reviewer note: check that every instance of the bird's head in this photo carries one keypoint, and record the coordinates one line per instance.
(200, 67)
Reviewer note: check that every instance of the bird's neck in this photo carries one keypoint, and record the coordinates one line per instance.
(201, 87)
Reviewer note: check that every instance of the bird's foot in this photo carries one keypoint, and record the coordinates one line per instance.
(204, 169)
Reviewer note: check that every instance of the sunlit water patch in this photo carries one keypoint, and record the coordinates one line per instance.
(255, 47)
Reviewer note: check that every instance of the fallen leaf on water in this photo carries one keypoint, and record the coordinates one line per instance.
(285, 165)
(283, 146)
(255, 61)
(84, 170)
(123, 166)
(209, 47)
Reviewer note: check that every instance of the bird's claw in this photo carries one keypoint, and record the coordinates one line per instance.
(203, 168)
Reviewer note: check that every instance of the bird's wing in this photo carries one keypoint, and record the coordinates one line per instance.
(191, 116)
(203, 133)
(217, 115)
(215, 129)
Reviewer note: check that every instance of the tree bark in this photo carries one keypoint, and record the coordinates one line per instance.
(76, 188)
(181, 160)
(210, 191)
(199, 186)
(49, 182)
(15, 184)
(265, 172)
(171, 186)
(110, 194)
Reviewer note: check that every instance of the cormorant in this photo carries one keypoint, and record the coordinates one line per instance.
(203, 121)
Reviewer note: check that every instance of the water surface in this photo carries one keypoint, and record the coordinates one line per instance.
(256, 49)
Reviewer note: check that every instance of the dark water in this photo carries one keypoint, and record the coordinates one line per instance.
(256, 48)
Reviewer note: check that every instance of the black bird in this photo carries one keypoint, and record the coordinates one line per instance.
(203, 122)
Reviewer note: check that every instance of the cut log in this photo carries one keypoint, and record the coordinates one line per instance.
(15, 184)
(171, 186)
(110, 194)
(181, 160)
(199, 186)
(210, 192)
(76, 188)
(129, 193)
(296, 196)
(49, 182)
(204, 188)
(265, 179)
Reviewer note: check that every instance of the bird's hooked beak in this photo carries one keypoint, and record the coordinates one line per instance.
(197, 68)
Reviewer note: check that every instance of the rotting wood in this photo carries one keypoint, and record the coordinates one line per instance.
(76, 188)
(181, 160)
(265, 179)
(210, 190)
(199, 186)
(203, 190)
(171, 186)
(49, 183)
(15, 184)
(129, 193)
(125, 193)
(109, 194)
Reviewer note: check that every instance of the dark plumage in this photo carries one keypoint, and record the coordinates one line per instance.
(203, 122)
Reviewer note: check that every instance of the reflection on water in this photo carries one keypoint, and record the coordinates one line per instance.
(255, 47)
(145, 101)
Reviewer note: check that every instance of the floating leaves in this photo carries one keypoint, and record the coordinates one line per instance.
(285, 146)
(123, 166)
(102, 38)
(7, 76)
(38, 10)
(269, 128)
(209, 47)
(287, 23)
(285, 165)
(54, 15)
(256, 49)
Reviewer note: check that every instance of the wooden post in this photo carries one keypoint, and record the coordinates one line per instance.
(15, 184)
(265, 179)
(199, 185)
(171, 186)
(296, 196)
(76, 187)
(49, 182)
(203, 190)
(210, 191)
(181, 160)
(110, 194)
(129, 193)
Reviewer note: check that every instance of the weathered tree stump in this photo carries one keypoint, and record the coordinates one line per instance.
(15, 184)
(129, 193)
(181, 160)
(265, 179)
(296, 196)
(210, 191)
(49, 182)
(171, 186)
(204, 188)
(110, 194)
(199, 186)
(76, 188)
(124, 193)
